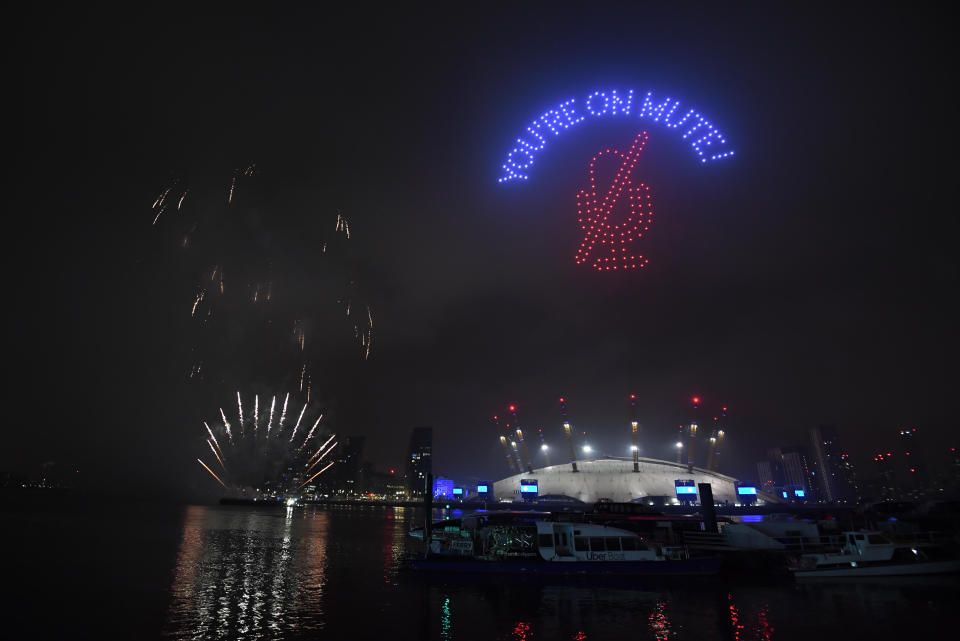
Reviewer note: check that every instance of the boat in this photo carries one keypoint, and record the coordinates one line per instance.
(870, 553)
(540, 543)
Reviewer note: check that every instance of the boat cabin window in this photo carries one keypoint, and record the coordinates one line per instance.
(580, 544)
(858, 537)
(596, 544)
(546, 540)
(613, 543)
(876, 538)
(629, 543)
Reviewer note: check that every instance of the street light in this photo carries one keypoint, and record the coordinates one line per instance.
(679, 444)
(544, 447)
(587, 449)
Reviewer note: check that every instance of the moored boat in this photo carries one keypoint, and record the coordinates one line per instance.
(868, 553)
(537, 543)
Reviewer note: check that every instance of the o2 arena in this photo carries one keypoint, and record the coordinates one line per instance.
(646, 480)
(615, 480)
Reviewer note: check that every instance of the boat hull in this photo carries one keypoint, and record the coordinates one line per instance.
(683, 567)
(901, 569)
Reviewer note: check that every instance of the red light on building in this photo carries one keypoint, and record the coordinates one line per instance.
(512, 408)
(563, 400)
(393, 471)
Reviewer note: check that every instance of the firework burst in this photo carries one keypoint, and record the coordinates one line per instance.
(261, 462)
(220, 233)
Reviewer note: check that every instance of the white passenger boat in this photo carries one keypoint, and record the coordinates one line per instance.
(868, 553)
(533, 543)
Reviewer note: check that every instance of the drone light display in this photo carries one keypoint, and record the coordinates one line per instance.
(596, 215)
(706, 141)
(614, 215)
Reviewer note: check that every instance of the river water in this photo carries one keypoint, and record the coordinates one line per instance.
(201, 572)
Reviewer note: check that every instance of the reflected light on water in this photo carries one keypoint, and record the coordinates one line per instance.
(396, 525)
(660, 622)
(248, 574)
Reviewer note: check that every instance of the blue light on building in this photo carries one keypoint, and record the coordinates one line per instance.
(443, 488)
(747, 494)
(529, 489)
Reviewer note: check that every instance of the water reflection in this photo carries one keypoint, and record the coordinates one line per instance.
(248, 574)
(515, 610)
(336, 573)
(395, 530)
(660, 622)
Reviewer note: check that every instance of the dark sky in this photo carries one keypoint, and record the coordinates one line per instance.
(811, 279)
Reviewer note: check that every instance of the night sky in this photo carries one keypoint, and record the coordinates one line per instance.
(809, 280)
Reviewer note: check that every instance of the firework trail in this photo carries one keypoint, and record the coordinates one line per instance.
(240, 411)
(332, 436)
(283, 412)
(303, 372)
(306, 440)
(200, 296)
(160, 203)
(211, 473)
(233, 185)
(273, 404)
(298, 422)
(321, 457)
(180, 203)
(256, 412)
(218, 456)
(325, 468)
(226, 425)
(210, 432)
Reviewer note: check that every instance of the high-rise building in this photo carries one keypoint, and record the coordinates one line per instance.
(796, 478)
(849, 475)
(347, 472)
(419, 459)
(831, 467)
(765, 475)
(911, 472)
(888, 489)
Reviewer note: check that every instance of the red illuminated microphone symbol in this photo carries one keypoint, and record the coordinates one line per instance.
(606, 237)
